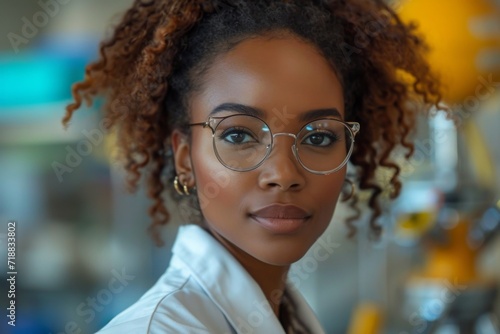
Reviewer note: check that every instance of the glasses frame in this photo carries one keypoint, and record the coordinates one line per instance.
(213, 122)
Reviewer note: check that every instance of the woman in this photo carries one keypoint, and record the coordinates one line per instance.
(248, 111)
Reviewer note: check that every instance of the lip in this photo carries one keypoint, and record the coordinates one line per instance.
(281, 218)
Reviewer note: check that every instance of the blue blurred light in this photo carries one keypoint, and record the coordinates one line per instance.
(36, 79)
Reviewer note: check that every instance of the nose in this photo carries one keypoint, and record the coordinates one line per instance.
(281, 170)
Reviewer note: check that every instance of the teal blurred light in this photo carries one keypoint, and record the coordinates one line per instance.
(33, 79)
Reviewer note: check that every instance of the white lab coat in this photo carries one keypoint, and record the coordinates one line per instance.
(205, 290)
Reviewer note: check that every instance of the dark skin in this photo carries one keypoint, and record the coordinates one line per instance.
(285, 78)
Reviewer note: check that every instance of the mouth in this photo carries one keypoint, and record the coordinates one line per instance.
(280, 218)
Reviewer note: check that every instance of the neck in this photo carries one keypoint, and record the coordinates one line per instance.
(270, 278)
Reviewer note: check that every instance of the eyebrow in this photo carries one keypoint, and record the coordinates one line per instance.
(257, 112)
(240, 108)
(319, 113)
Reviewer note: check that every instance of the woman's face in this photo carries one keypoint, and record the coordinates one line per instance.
(277, 211)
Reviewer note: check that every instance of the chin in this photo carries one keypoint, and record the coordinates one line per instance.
(283, 257)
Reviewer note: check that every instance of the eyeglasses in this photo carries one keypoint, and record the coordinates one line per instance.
(243, 142)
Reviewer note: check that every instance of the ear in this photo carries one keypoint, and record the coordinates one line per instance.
(182, 156)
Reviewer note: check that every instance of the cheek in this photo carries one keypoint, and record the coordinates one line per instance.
(217, 187)
(326, 190)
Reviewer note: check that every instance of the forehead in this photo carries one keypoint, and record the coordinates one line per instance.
(272, 75)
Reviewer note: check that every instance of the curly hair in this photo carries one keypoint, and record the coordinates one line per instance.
(158, 53)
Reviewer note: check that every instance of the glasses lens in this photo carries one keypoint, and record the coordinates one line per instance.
(242, 142)
(324, 145)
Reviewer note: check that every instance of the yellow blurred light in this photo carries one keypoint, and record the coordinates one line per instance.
(415, 224)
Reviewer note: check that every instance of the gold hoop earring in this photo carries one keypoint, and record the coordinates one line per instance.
(347, 196)
(184, 191)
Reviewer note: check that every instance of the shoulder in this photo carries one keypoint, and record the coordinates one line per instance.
(175, 304)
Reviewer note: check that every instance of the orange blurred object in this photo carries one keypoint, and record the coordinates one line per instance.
(454, 259)
(464, 37)
(367, 319)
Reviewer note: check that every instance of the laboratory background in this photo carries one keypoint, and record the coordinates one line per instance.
(82, 252)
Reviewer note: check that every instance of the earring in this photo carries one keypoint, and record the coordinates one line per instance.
(348, 195)
(184, 191)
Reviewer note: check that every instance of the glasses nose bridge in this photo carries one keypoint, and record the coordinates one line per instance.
(287, 134)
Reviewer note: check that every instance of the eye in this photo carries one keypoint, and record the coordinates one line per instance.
(237, 136)
(320, 138)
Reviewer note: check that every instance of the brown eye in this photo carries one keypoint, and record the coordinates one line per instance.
(320, 139)
(237, 136)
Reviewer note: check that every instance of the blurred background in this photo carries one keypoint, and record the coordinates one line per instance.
(83, 253)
